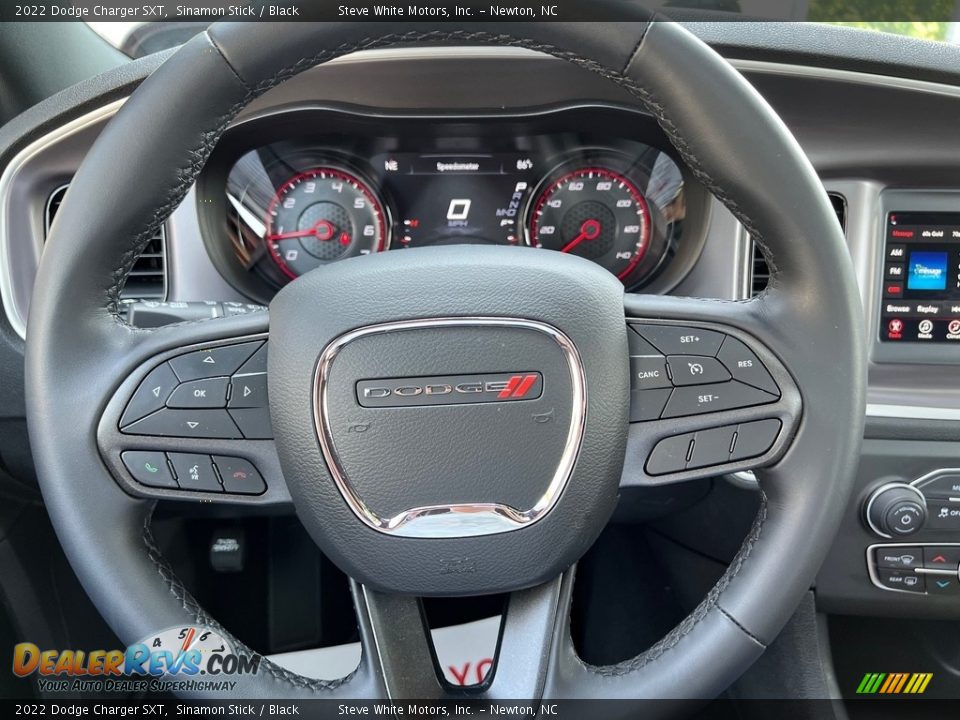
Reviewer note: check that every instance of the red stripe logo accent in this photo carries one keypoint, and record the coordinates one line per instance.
(517, 387)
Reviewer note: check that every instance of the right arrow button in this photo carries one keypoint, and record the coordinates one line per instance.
(248, 391)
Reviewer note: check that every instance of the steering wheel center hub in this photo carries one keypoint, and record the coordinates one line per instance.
(451, 426)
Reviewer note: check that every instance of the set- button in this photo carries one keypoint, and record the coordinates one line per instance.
(679, 371)
(220, 392)
(195, 472)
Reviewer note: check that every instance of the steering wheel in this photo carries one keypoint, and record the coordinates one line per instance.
(468, 431)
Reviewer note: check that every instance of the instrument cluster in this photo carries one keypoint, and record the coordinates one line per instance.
(288, 195)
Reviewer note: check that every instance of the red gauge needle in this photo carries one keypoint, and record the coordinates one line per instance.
(323, 230)
(590, 230)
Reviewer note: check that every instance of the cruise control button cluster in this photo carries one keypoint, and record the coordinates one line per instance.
(714, 446)
(219, 393)
(195, 472)
(679, 371)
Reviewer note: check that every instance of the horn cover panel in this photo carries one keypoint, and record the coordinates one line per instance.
(451, 420)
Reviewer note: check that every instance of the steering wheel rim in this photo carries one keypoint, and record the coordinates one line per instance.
(810, 317)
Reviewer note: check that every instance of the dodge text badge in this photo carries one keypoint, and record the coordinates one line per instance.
(450, 389)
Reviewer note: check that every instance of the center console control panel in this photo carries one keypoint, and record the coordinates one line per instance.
(930, 569)
(899, 509)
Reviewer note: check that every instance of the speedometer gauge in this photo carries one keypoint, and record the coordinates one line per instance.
(322, 215)
(594, 212)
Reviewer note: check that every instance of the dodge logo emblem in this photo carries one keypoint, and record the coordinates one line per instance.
(450, 389)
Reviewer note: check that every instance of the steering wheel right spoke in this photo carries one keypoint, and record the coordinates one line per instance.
(706, 396)
(192, 422)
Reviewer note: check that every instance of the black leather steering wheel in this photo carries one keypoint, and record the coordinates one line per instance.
(558, 318)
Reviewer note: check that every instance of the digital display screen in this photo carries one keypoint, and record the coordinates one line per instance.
(921, 278)
(455, 199)
(927, 271)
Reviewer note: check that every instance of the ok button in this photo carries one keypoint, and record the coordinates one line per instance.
(207, 393)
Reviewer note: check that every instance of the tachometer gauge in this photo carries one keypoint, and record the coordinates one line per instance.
(594, 212)
(322, 215)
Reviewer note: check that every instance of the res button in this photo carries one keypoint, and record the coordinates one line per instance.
(745, 366)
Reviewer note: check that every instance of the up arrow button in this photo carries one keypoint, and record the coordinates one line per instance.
(213, 362)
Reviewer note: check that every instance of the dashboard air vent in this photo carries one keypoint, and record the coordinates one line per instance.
(760, 273)
(148, 278)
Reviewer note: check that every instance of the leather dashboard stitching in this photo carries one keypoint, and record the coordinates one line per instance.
(197, 157)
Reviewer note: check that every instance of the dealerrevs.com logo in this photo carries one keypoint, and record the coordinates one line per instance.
(187, 658)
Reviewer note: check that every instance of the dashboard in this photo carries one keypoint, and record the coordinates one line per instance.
(283, 195)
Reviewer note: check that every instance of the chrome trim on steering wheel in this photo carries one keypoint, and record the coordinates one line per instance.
(465, 519)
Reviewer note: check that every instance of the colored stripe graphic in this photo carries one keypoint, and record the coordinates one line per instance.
(894, 683)
(517, 386)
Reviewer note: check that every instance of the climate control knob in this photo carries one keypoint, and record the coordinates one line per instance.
(896, 510)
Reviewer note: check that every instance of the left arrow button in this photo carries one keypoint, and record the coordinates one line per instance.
(151, 395)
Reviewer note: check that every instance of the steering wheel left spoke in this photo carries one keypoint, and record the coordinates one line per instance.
(191, 421)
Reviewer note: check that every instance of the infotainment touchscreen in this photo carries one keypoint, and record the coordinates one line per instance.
(921, 278)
